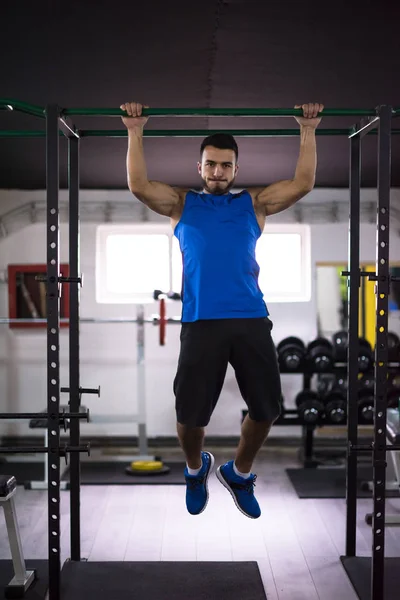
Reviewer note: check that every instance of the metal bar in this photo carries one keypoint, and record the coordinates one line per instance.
(53, 348)
(24, 107)
(192, 133)
(184, 133)
(40, 449)
(352, 356)
(371, 448)
(68, 128)
(381, 353)
(141, 381)
(154, 321)
(74, 347)
(220, 112)
(43, 415)
(363, 129)
(363, 331)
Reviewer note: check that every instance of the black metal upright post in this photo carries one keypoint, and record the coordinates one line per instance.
(53, 348)
(352, 357)
(74, 356)
(381, 352)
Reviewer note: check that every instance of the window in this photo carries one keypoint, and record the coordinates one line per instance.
(131, 262)
(284, 255)
(134, 260)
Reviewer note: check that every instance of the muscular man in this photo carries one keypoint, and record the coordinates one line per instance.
(224, 318)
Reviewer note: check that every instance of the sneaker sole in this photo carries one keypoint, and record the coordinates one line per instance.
(222, 480)
(206, 485)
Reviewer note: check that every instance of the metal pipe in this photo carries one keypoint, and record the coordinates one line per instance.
(24, 107)
(53, 348)
(43, 415)
(41, 450)
(220, 112)
(74, 346)
(154, 321)
(352, 357)
(364, 129)
(189, 133)
(381, 353)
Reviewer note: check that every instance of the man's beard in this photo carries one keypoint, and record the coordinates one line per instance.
(219, 191)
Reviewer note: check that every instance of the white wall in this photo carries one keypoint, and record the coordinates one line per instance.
(108, 352)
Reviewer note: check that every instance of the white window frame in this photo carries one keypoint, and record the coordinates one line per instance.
(103, 296)
(305, 234)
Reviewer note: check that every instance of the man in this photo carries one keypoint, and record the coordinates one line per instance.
(224, 318)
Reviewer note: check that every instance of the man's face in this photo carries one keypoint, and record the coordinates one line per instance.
(218, 170)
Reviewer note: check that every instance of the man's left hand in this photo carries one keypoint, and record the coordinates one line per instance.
(310, 112)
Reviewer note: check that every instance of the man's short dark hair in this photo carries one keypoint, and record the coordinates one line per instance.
(223, 141)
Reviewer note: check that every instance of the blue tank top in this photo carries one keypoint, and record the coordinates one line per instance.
(217, 237)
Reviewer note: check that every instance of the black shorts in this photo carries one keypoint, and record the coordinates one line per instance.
(207, 347)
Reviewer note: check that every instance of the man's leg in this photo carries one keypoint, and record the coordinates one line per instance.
(202, 365)
(253, 436)
(254, 360)
(191, 440)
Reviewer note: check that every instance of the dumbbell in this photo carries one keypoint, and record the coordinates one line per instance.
(340, 344)
(365, 403)
(310, 407)
(340, 383)
(365, 356)
(336, 407)
(367, 382)
(325, 384)
(320, 355)
(291, 353)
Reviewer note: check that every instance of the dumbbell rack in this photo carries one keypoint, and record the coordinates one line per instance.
(291, 416)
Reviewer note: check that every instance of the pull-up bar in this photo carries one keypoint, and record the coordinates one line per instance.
(185, 133)
(33, 109)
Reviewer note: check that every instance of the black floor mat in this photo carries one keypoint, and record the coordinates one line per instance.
(358, 570)
(113, 473)
(23, 471)
(329, 482)
(162, 581)
(38, 589)
(96, 473)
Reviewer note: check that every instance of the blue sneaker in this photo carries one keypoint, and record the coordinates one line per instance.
(197, 485)
(241, 490)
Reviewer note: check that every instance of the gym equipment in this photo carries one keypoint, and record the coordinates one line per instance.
(382, 278)
(101, 584)
(319, 355)
(365, 403)
(393, 437)
(365, 356)
(340, 345)
(335, 407)
(22, 579)
(140, 417)
(291, 353)
(310, 407)
(141, 467)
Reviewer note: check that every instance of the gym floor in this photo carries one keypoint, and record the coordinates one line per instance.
(297, 543)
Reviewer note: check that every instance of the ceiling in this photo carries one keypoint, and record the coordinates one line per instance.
(213, 53)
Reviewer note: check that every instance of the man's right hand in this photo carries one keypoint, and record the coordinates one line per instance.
(134, 120)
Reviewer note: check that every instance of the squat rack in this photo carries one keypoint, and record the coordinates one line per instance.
(58, 123)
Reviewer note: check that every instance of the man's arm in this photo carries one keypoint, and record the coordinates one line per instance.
(283, 194)
(163, 199)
